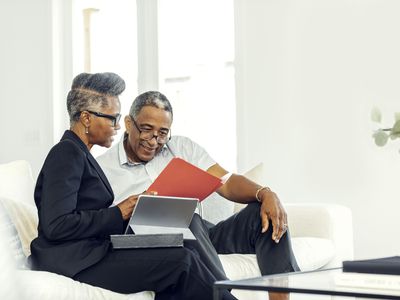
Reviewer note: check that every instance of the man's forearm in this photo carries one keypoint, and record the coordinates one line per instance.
(239, 189)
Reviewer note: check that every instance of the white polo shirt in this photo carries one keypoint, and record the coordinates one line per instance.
(128, 179)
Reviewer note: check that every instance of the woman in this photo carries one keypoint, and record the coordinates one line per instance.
(73, 197)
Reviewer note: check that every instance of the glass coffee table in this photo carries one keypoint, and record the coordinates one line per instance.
(319, 282)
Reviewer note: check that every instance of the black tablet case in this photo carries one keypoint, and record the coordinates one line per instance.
(129, 241)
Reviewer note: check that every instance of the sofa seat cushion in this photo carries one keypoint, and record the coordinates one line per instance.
(64, 288)
(311, 253)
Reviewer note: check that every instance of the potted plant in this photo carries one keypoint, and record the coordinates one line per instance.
(382, 134)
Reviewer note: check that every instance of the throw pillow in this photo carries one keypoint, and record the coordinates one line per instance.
(9, 287)
(25, 221)
(10, 237)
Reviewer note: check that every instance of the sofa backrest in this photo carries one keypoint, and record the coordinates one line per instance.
(16, 181)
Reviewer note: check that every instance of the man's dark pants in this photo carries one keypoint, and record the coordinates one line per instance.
(241, 233)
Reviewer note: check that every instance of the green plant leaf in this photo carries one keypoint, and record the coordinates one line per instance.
(381, 138)
(397, 116)
(394, 136)
(376, 115)
(396, 128)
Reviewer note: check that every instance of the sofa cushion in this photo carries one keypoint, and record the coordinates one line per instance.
(9, 287)
(16, 181)
(25, 219)
(41, 285)
(240, 266)
(11, 238)
(311, 253)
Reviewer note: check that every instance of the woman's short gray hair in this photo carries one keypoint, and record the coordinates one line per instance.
(150, 98)
(91, 92)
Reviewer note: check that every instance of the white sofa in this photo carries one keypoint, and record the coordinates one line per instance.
(321, 237)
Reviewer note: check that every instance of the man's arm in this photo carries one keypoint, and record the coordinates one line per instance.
(242, 190)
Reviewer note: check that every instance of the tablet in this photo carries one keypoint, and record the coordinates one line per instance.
(162, 214)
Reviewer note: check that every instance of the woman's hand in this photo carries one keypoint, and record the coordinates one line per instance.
(126, 207)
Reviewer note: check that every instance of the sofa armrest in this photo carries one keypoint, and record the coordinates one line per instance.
(329, 221)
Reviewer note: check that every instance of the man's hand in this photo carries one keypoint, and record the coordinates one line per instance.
(272, 209)
(241, 190)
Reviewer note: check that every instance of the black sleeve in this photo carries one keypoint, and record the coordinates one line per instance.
(59, 217)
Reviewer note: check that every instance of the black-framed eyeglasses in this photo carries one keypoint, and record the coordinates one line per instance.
(162, 136)
(114, 119)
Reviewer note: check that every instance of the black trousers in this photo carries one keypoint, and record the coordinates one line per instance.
(173, 273)
(189, 272)
(241, 233)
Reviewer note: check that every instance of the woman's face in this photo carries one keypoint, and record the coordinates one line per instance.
(101, 129)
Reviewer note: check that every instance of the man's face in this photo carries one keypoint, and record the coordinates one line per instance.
(150, 120)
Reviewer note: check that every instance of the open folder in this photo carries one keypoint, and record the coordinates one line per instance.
(182, 179)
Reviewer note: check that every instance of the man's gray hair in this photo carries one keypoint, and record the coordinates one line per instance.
(150, 98)
(92, 92)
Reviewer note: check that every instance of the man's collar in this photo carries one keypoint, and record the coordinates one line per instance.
(123, 158)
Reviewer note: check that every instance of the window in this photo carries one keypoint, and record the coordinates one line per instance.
(105, 41)
(196, 71)
(185, 50)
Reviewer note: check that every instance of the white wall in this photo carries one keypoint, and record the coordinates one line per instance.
(25, 78)
(31, 78)
(307, 75)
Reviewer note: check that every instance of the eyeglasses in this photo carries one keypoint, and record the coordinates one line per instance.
(114, 119)
(162, 136)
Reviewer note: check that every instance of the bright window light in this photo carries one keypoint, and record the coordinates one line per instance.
(196, 53)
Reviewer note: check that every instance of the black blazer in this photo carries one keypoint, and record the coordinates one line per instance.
(73, 197)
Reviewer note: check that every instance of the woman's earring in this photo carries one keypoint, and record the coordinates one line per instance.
(87, 130)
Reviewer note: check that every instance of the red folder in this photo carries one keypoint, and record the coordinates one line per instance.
(182, 179)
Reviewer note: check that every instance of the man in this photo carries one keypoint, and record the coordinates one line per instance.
(144, 151)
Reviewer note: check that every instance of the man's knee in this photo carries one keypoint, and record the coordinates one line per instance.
(250, 214)
(250, 210)
(196, 220)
